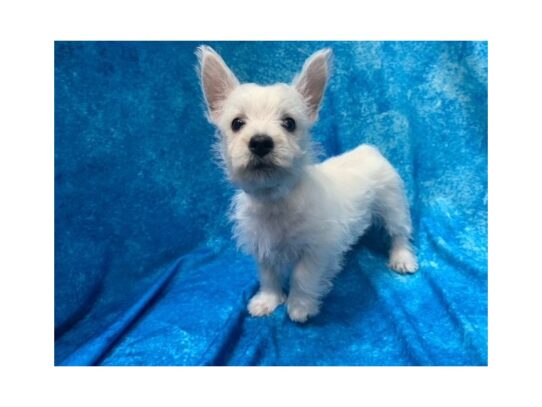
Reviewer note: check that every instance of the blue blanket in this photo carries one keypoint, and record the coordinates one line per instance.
(146, 272)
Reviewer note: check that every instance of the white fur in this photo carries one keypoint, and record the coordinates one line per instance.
(295, 217)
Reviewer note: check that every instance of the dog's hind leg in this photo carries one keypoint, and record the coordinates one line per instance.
(402, 257)
(391, 206)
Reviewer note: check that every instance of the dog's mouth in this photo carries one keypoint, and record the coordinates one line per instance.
(259, 175)
(260, 166)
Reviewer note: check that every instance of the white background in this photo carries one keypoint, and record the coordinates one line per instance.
(28, 30)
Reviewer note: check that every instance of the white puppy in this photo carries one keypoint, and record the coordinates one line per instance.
(295, 217)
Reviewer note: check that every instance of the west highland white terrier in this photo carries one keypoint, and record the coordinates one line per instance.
(298, 218)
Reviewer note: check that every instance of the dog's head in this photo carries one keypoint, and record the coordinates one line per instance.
(264, 130)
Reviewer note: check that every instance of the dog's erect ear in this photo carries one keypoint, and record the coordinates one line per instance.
(217, 81)
(312, 80)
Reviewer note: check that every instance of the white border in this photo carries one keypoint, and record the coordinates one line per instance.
(28, 32)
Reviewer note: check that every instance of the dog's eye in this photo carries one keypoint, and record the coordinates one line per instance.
(289, 124)
(236, 124)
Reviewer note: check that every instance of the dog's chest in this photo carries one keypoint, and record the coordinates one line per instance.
(271, 231)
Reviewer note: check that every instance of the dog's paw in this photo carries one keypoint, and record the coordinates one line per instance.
(264, 303)
(301, 311)
(403, 261)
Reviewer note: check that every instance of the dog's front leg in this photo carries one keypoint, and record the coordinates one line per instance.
(310, 281)
(270, 295)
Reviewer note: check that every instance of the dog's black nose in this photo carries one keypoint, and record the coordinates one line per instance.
(260, 144)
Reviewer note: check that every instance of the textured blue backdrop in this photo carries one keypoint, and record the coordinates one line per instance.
(146, 272)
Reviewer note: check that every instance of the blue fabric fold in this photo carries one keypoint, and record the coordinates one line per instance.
(93, 351)
(146, 271)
